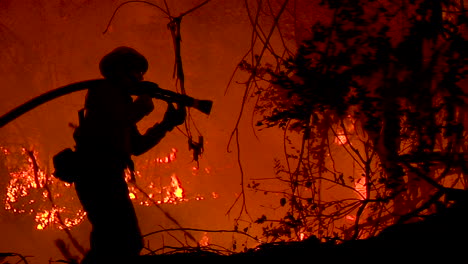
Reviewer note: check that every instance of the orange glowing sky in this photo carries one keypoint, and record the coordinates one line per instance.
(47, 44)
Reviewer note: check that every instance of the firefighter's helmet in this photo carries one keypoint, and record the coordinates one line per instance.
(122, 60)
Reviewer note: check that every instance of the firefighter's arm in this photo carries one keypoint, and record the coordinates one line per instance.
(172, 118)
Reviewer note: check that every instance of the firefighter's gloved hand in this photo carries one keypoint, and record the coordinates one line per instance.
(174, 117)
(144, 103)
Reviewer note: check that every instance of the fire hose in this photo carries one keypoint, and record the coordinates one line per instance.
(145, 87)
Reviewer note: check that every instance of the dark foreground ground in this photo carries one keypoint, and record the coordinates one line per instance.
(440, 238)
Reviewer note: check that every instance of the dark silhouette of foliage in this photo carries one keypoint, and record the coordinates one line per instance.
(387, 82)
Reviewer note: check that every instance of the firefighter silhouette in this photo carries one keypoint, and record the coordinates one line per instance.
(106, 139)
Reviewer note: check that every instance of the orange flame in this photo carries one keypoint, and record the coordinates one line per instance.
(169, 158)
(360, 187)
(175, 192)
(205, 240)
(341, 137)
(28, 182)
(27, 191)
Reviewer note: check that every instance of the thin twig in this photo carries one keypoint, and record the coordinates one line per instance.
(164, 212)
(194, 8)
(235, 132)
(51, 199)
(128, 2)
(201, 230)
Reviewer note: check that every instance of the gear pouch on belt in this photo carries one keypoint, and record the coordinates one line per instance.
(67, 165)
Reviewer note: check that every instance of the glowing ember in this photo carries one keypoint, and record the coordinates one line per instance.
(169, 158)
(22, 181)
(46, 218)
(205, 240)
(302, 236)
(34, 192)
(5, 151)
(28, 191)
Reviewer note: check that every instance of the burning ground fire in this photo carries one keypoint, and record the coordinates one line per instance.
(32, 191)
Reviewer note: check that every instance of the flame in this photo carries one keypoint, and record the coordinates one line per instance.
(340, 138)
(50, 217)
(178, 191)
(302, 236)
(22, 181)
(175, 192)
(168, 158)
(205, 240)
(28, 191)
(360, 187)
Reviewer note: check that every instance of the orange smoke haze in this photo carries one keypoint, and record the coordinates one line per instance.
(47, 44)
